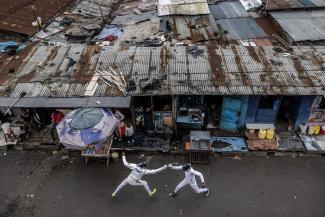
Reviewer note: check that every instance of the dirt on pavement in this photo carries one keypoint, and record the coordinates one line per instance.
(40, 184)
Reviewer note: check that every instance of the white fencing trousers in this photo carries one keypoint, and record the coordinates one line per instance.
(133, 182)
(193, 185)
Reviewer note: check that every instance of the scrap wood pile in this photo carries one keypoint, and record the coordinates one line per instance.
(112, 77)
(262, 145)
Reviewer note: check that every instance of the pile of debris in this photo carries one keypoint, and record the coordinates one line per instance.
(112, 77)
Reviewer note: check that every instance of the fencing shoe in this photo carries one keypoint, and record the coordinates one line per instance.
(153, 192)
(172, 194)
(207, 193)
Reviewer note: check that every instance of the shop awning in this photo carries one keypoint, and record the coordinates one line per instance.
(71, 102)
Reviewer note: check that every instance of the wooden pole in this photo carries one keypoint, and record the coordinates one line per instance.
(59, 4)
(34, 14)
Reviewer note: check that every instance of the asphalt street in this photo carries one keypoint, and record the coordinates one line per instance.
(41, 184)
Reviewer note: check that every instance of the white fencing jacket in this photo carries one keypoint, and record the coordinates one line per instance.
(138, 172)
(190, 174)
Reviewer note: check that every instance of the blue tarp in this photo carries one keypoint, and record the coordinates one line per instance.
(4, 45)
(74, 138)
(236, 144)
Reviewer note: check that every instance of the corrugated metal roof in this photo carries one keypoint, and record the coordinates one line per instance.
(132, 19)
(86, 12)
(262, 42)
(302, 25)
(17, 15)
(281, 4)
(194, 28)
(40, 102)
(10, 63)
(242, 28)
(139, 32)
(227, 70)
(251, 5)
(182, 7)
(95, 8)
(228, 9)
(142, 5)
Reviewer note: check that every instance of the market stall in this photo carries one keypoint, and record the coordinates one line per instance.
(312, 133)
(261, 137)
(150, 127)
(189, 113)
(199, 147)
(99, 150)
(89, 130)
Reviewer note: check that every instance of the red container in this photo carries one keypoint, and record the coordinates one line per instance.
(322, 130)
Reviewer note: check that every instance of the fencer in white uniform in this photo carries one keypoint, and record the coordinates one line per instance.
(189, 179)
(138, 171)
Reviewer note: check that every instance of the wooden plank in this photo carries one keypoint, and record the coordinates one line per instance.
(256, 126)
(92, 86)
(108, 145)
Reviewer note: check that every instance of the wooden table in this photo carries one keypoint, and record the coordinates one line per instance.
(104, 153)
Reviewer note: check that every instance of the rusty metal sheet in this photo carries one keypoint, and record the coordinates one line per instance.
(268, 26)
(85, 13)
(226, 70)
(17, 16)
(280, 4)
(86, 64)
(262, 42)
(10, 65)
(194, 28)
(287, 4)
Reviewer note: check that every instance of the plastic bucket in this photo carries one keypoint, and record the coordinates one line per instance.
(6, 127)
(262, 134)
(316, 130)
(270, 134)
(311, 130)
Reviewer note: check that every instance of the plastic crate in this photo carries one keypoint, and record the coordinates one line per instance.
(199, 157)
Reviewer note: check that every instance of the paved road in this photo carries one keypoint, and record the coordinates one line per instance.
(42, 185)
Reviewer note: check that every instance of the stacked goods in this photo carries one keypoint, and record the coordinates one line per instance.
(262, 140)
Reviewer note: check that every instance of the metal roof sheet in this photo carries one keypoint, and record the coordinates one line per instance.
(302, 25)
(228, 9)
(128, 7)
(242, 28)
(39, 102)
(182, 7)
(17, 16)
(94, 8)
(228, 70)
(251, 5)
(84, 13)
(286, 4)
(194, 28)
(132, 19)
